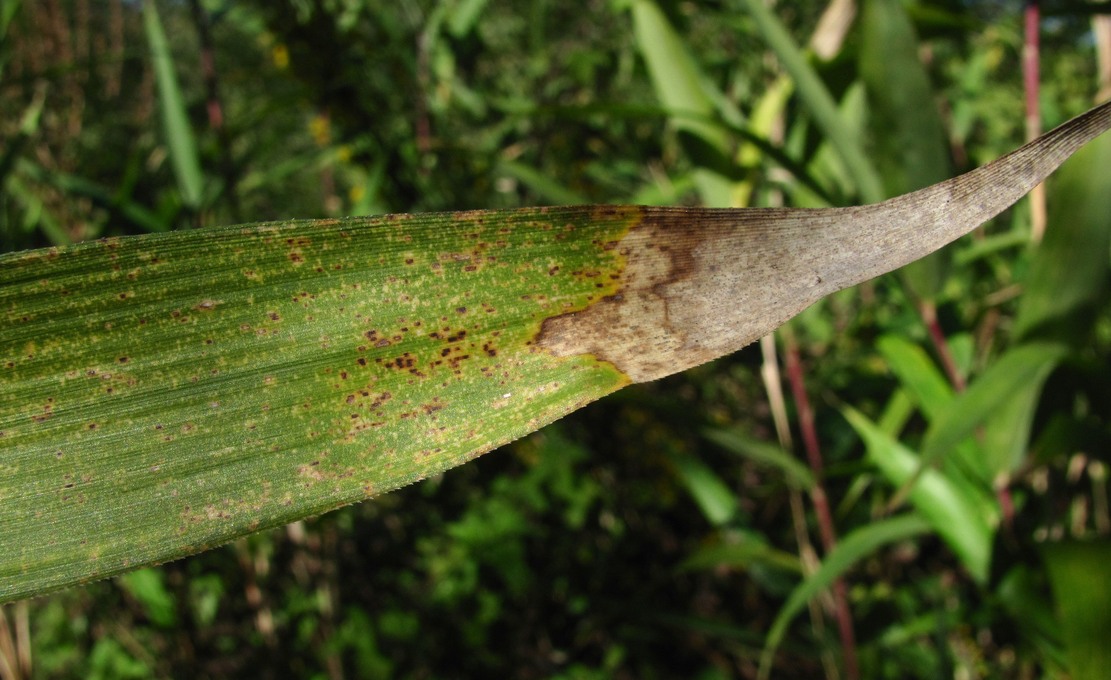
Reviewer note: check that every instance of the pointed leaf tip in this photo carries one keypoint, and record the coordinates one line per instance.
(697, 284)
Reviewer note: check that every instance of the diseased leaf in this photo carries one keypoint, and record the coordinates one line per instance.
(163, 394)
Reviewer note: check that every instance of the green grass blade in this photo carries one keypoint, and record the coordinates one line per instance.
(1016, 377)
(818, 101)
(825, 163)
(956, 516)
(100, 195)
(1006, 433)
(175, 116)
(921, 378)
(36, 214)
(749, 551)
(797, 474)
(900, 407)
(713, 496)
(917, 373)
(163, 394)
(540, 184)
(29, 124)
(850, 550)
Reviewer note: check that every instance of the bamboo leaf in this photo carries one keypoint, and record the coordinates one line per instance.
(163, 394)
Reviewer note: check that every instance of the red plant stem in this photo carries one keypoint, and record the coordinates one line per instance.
(928, 311)
(1030, 84)
(821, 501)
(1030, 71)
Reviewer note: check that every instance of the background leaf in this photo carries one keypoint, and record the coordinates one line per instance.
(1069, 275)
(1082, 590)
(1011, 380)
(818, 101)
(952, 509)
(903, 105)
(175, 117)
(850, 550)
(683, 91)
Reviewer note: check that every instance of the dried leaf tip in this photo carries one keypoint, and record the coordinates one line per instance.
(701, 283)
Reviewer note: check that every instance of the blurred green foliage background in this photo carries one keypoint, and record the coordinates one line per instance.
(951, 422)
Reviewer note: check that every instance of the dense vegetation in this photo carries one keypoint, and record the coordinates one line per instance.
(942, 444)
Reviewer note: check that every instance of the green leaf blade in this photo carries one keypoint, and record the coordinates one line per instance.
(818, 100)
(1004, 395)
